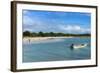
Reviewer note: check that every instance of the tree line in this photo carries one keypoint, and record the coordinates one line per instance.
(50, 34)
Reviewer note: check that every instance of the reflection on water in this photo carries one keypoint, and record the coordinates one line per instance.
(56, 50)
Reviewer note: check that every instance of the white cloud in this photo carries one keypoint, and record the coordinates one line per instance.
(27, 20)
(74, 29)
(69, 27)
(34, 24)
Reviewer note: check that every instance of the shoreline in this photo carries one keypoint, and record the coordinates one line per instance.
(35, 39)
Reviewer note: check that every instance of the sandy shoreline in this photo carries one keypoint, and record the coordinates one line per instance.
(33, 39)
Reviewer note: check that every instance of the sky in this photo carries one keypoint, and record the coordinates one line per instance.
(52, 21)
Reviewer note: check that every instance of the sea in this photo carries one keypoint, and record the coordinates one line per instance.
(58, 49)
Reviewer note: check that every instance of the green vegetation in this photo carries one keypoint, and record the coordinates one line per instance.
(50, 34)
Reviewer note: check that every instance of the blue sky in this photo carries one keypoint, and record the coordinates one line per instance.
(50, 21)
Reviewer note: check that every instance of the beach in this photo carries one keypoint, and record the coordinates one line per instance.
(35, 39)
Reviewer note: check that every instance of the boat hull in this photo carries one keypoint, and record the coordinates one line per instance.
(79, 46)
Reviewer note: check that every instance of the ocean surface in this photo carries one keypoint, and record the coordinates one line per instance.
(56, 50)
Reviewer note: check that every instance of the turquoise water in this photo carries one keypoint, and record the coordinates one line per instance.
(56, 50)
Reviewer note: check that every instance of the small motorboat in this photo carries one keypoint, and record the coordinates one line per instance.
(77, 46)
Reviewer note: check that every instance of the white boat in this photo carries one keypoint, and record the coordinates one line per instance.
(78, 46)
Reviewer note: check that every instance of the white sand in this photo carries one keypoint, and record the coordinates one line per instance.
(33, 39)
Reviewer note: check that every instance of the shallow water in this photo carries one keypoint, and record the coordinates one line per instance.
(56, 50)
